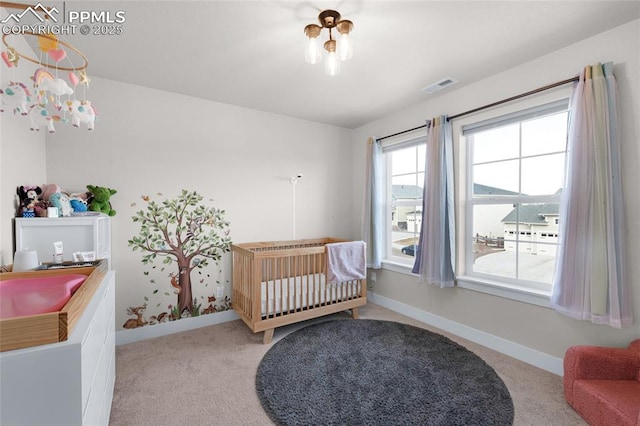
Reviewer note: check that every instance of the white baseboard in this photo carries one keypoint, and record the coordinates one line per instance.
(507, 347)
(143, 333)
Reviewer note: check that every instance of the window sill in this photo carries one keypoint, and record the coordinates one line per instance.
(521, 294)
(399, 267)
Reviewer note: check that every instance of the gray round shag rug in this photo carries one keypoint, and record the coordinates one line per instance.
(369, 372)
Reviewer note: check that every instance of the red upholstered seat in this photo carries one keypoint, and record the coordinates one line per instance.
(603, 384)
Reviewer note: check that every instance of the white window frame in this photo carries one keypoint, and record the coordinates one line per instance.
(522, 290)
(397, 263)
(463, 280)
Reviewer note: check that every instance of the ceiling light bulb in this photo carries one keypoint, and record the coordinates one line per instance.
(332, 64)
(345, 45)
(313, 52)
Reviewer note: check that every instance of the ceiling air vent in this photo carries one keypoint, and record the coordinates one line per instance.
(439, 85)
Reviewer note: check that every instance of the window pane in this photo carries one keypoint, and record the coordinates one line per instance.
(403, 235)
(531, 220)
(405, 188)
(543, 175)
(544, 135)
(496, 144)
(404, 161)
(407, 178)
(500, 263)
(535, 266)
(488, 221)
(503, 233)
(502, 177)
(422, 152)
(537, 237)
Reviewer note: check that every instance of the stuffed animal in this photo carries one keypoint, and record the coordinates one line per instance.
(80, 201)
(29, 199)
(46, 82)
(48, 189)
(78, 206)
(15, 96)
(82, 112)
(38, 115)
(61, 201)
(56, 86)
(100, 202)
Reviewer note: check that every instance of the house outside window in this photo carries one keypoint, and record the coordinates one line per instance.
(515, 173)
(405, 163)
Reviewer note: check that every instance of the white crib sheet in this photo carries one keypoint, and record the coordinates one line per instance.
(301, 291)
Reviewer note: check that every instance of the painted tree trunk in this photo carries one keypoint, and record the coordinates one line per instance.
(185, 297)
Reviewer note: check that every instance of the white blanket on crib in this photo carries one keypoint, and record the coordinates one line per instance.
(346, 261)
(302, 291)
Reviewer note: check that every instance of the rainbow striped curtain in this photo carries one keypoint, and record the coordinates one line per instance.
(590, 281)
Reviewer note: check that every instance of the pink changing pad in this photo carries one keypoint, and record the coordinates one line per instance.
(31, 296)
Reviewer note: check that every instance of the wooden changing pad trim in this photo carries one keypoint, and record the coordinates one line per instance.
(52, 327)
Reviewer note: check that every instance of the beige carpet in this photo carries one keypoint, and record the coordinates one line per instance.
(206, 377)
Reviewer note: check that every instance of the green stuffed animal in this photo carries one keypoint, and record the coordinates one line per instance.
(100, 202)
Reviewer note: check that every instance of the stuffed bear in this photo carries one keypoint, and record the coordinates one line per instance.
(30, 200)
(100, 202)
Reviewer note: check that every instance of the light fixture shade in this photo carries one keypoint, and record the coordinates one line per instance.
(332, 64)
(313, 50)
(345, 47)
(345, 44)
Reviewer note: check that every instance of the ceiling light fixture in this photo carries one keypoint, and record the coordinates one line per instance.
(337, 50)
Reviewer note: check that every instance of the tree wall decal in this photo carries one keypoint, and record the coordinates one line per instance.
(184, 232)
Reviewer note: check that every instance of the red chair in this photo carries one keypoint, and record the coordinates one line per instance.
(603, 384)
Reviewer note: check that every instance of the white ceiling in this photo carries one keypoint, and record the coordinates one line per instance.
(251, 53)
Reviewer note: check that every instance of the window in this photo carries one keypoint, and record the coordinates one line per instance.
(515, 168)
(405, 163)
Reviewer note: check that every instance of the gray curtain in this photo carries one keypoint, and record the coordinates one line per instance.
(435, 255)
(372, 231)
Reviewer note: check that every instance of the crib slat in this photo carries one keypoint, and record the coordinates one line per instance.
(293, 283)
(281, 276)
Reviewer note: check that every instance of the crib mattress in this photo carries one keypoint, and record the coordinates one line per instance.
(294, 293)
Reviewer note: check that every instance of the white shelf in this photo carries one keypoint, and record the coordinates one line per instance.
(77, 233)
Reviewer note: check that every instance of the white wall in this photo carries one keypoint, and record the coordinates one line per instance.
(535, 327)
(22, 152)
(148, 141)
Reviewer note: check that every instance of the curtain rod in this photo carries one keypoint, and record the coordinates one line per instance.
(500, 102)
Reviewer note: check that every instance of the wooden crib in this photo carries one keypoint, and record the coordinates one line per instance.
(278, 283)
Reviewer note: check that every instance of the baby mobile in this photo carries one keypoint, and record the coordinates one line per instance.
(52, 98)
